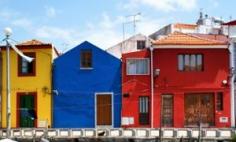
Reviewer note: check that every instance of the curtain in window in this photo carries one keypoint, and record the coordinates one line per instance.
(199, 62)
(24, 66)
(181, 62)
(142, 67)
(186, 62)
(193, 62)
(131, 67)
(137, 66)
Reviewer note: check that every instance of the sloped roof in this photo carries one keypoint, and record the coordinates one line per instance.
(32, 42)
(231, 23)
(185, 26)
(178, 38)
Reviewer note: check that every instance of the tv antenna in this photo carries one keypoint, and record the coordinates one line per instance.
(133, 21)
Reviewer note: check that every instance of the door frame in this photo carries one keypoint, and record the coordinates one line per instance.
(161, 114)
(112, 109)
(214, 106)
(18, 94)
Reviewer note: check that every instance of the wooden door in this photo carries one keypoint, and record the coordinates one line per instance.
(104, 109)
(199, 108)
(26, 108)
(167, 111)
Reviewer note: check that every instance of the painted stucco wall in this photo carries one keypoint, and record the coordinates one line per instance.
(74, 106)
(171, 81)
(20, 84)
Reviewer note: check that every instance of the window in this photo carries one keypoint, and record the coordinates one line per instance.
(141, 44)
(86, 59)
(138, 66)
(26, 68)
(190, 62)
(219, 101)
(143, 110)
(167, 111)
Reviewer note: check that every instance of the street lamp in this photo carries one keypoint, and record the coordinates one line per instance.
(8, 32)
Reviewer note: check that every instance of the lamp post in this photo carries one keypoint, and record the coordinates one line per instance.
(8, 32)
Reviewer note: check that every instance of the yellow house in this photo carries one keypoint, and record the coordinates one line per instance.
(31, 83)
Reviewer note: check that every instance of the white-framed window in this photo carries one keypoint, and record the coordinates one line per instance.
(137, 66)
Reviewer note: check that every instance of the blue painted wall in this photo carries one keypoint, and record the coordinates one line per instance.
(74, 106)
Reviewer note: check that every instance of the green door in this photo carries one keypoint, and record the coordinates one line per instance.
(26, 105)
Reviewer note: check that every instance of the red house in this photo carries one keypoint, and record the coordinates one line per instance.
(183, 80)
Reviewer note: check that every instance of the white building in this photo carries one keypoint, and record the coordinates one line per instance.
(134, 43)
(204, 25)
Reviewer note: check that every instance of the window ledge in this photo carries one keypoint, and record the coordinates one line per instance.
(86, 68)
(137, 74)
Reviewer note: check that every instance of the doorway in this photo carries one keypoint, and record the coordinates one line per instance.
(26, 110)
(199, 108)
(104, 109)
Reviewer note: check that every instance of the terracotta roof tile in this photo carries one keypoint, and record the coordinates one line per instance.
(32, 42)
(185, 26)
(178, 38)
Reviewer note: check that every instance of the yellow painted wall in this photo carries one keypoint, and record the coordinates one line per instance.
(29, 84)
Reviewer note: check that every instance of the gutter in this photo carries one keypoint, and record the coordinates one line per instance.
(152, 87)
(232, 88)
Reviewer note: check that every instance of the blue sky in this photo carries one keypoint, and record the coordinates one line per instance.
(66, 23)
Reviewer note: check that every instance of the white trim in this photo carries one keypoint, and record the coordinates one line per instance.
(83, 68)
(138, 59)
(232, 87)
(112, 108)
(152, 88)
(191, 46)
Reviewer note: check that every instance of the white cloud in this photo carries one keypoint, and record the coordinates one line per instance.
(50, 11)
(23, 23)
(164, 5)
(149, 25)
(68, 36)
(105, 33)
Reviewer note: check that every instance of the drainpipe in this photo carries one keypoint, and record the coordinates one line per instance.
(232, 68)
(152, 87)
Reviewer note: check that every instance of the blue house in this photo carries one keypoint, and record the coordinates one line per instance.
(88, 84)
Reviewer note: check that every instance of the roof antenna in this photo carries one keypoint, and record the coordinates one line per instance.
(230, 18)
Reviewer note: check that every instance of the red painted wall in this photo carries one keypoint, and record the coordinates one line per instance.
(170, 80)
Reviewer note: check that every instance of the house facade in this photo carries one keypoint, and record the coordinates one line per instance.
(183, 81)
(30, 85)
(88, 84)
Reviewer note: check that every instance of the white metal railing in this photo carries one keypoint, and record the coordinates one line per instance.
(167, 133)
